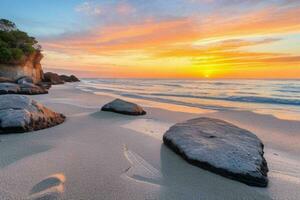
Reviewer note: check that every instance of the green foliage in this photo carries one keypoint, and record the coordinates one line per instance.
(14, 45)
(7, 23)
(16, 53)
(5, 55)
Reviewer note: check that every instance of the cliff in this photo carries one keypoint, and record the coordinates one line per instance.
(20, 54)
(30, 66)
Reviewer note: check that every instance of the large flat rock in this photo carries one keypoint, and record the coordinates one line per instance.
(23, 88)
(123, 107)
(220, 147)
(21, 114)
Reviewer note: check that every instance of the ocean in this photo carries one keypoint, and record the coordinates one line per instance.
(280, 98)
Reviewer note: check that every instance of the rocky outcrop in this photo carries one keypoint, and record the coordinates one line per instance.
(71, 78)
(220, 147)
(25, 79)
(9, 88)
(123, 107)
(19, 114)
(25, 88)
(53, 78)
(56, 79)
(6, 80)
(30, 67)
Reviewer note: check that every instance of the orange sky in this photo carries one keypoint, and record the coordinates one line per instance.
(230, 41)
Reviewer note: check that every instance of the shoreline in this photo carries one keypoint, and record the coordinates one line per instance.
(100, 155)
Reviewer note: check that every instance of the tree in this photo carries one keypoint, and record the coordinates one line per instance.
(5, 55)
(15, 44)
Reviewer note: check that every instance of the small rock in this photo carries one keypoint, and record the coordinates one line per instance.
(220, 147)
(19, 114)
(123, 107)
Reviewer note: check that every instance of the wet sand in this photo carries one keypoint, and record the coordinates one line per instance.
(102, 155)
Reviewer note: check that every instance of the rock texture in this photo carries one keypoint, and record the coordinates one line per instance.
(30, 67)
(123, 107)
(25, 79)
(9, 88)
(21, 114)
(6, 80)
(220, 147)
(53, 78)
(71, 78)
(25, 88)
(32, 89)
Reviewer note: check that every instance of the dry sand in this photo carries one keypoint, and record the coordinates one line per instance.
(102, 155)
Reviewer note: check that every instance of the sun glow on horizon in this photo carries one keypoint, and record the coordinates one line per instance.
(213, 43)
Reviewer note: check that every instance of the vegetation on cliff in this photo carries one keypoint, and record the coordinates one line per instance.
(15, 45)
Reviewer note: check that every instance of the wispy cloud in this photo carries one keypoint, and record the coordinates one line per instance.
(89, 8)
(207, 42)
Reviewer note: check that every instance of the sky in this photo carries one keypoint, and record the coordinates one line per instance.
(164, 38)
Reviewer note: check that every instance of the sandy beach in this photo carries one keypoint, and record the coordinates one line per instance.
(102, 155)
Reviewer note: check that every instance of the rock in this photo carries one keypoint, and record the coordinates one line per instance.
(29, 67)
(32, 89)
(71, 78)
(74, 78)
(26, 88)
(123, 107)
(24, 80)
(220, 147)
(52, 78)
(45, 85)
(19, 114)
(9, 88)
(6, 80)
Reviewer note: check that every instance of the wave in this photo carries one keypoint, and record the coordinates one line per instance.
(245, 92)
(248, 99)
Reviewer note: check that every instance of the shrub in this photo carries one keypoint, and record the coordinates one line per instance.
(15, 44)
(16, 54)
(5, 55)
(7, 23)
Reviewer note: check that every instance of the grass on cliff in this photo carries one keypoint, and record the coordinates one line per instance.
(15, 45)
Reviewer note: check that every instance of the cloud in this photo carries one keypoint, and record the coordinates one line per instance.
(149, 33)
(124, 8)
(212, 42)
(89, 8)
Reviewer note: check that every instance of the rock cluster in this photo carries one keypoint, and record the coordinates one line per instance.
(23, 85)
(220, 147)
(71, 78)
(19, 114)
(123, 107)
(55, 79)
